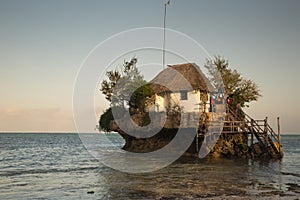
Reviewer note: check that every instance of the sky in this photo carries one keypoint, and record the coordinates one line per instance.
(44, 43)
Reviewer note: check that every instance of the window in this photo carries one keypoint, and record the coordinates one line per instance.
(183, 95)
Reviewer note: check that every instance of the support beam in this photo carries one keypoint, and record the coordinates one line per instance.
(197, 143)
(278, 126)
(252, 130)
(266, 129)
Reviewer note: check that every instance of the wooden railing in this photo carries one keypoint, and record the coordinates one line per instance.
(260, 128)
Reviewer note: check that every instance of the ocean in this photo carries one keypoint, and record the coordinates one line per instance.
(57, 166)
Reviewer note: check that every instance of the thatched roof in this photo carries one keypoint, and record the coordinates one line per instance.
(187, 72)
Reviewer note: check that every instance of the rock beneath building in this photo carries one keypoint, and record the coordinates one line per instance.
(233, 145)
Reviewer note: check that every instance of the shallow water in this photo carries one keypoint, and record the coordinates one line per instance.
(57, 166)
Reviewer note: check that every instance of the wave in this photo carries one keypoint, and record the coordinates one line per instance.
(44, 171)
(291, 174)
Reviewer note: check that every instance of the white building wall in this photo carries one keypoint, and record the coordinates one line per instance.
(191, 104)
(207, 103)
(159, 103)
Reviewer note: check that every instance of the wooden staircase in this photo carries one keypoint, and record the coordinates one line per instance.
(263, 132)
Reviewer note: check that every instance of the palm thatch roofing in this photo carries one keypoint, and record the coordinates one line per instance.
(187, 72)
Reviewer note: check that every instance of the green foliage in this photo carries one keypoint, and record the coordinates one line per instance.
(129, 73)
(105, 120)
(107, 86)
(127, 87)
(141, 97)
(116, 87)
(107, 116)
(241, 89)
(146, 120)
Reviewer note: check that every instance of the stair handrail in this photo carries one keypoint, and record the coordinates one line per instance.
(273, 134)
(254, 124)
(269, 135)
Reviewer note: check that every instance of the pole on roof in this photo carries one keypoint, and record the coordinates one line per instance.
(164, 40)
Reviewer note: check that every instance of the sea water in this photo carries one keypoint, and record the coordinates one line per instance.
(57, 166)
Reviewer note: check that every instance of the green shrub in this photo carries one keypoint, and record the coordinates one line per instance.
(107, 117)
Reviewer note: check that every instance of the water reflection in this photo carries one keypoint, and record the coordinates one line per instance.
(190, 178)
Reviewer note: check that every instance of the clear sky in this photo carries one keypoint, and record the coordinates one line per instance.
(43, 43)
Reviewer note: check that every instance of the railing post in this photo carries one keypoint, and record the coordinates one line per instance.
(266, 129)
(252, 129)
(197, 144)
(278, 126)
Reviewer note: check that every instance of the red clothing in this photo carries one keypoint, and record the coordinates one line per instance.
(229, 101)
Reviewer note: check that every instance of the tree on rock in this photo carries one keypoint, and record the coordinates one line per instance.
(242, 90)
(125, 88)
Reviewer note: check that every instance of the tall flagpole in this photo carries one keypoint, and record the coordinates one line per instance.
(164, 40)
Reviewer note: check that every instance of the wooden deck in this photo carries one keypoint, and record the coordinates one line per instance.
(258, 130)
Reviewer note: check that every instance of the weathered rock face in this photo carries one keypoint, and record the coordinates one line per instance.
(143, 145)
(231, 146)
(257, 150)
(228, 145)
